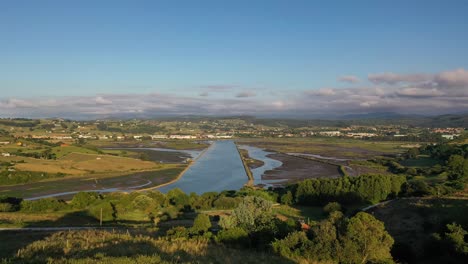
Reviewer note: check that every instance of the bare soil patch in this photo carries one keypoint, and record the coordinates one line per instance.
(296, 169)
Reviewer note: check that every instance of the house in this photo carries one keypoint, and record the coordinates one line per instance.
(6, 154)
(449, 136)
(4, 142)
(182, 137)
(330, 133)
(158, 136)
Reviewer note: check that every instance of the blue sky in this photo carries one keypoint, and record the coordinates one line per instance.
(228, 50)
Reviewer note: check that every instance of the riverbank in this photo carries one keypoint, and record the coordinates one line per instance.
(243, 154)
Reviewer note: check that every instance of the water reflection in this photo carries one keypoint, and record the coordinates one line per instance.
(219, 168)
(268, 164)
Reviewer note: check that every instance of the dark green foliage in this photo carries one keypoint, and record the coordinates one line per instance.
(109, 212)
(457, 168)
(20, 177)
(178, 232)
(178, 198)
(366, 240)
(332, 207)
(201, 224)
(9, 204)
(82, 200)
(264, 194)
(295, 245)
(234, 236)
(19, 122)
(6, 207)
(287, 198)
(360, 239)
(224, 202)
(254, 214)
(43, 205)
(144, 203)
(158, 197)
(365, 188)
(417, 188)
(457, 238)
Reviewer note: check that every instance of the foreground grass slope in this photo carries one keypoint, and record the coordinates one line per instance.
(117, 247)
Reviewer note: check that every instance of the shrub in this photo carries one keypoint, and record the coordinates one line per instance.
(201, 224)
(6, 207)
(144, 203)
(178, 232)
(84, 199)
(227, 222)
(331, 207)
(43, 205)
(108, 211)
(225, 203)
(233, 236)
(287, 198)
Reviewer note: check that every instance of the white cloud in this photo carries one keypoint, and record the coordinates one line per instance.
(455, 78)
(245, 94)
(349, 79)
(394, 78)
(100, 100)
(444, 92)
(321, 92)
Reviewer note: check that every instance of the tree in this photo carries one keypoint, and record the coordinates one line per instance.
(456, 237)
(457, 167)
(332, 207)
(412, 153)
(144, 203)
(178, 198)
(201, 224)
(254, 214)
(287, 198)
(366, 240)
(227, 222)
(83, 199)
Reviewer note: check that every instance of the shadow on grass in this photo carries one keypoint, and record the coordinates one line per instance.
(95, 245)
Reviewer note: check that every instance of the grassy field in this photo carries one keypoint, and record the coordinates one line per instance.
(333, 147)
(157, 175)
(314, 213)
(122, 247)
(179, 144)
(80, 164)
(63, 151)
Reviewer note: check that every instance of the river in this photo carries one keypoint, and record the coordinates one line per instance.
(219, 168)
(268, 164)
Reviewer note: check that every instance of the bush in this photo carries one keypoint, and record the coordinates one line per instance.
(331, 207)
(82, 200)
(43, 205)
(144, 203)
(201, 224)
(287, 198)
(233, 236)
(225, 203)
(108, 211)
(6, 207)
(295, 245)
(227, 222)
(178, 232)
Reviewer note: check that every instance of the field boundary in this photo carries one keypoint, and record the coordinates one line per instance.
(246, 168)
